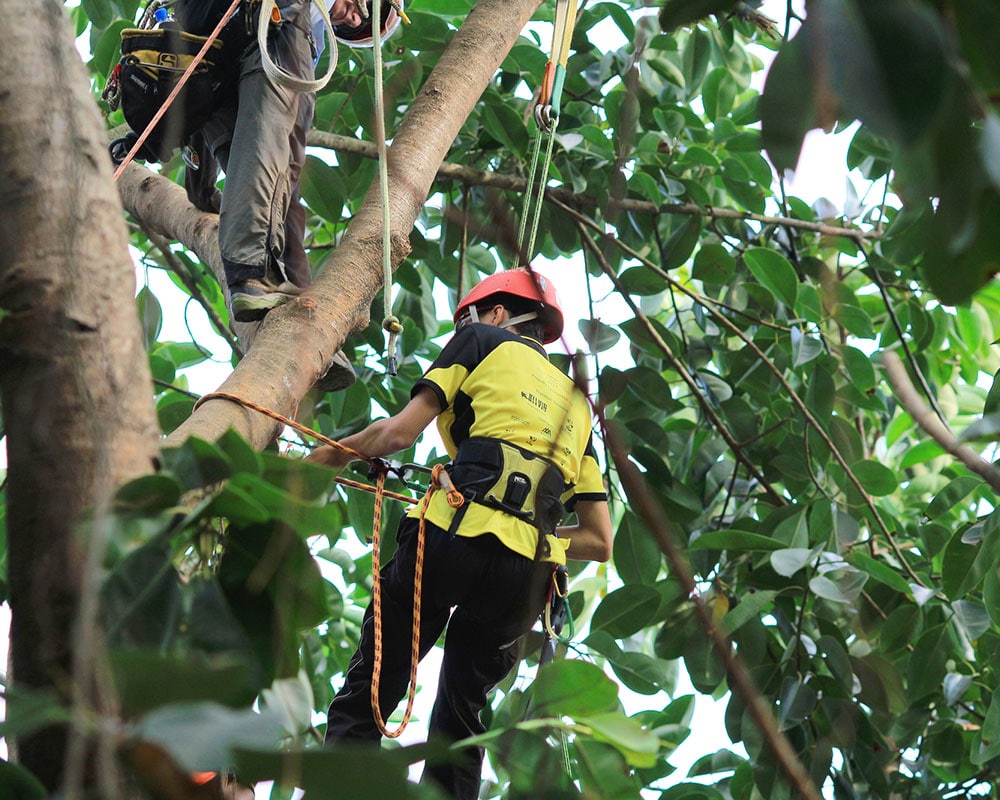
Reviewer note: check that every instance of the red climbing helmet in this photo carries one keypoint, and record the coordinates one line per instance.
(520, 283)
(361, 35)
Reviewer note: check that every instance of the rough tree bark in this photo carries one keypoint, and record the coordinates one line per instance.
(296, 342)
(74, 377)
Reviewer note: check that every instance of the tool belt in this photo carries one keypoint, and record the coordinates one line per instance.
(151, 65)
(501, 475)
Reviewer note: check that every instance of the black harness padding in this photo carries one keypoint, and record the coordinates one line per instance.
(501, 475)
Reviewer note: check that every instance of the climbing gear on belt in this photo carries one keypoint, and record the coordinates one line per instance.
(159, 64)
(546, 115)
(522, 283)
(150, 70)
(555, 614)
(501, 475)
(155, 99)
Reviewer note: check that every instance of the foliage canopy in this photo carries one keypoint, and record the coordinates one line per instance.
(848, 556)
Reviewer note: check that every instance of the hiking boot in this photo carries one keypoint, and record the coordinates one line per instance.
(254, 297)
(340, 374)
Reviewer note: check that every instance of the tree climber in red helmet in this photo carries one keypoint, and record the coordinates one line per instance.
(519, 435)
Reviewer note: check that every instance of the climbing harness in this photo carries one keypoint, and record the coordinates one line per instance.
(269, 14)
(500, 475)
(546, 113)
(136, 146)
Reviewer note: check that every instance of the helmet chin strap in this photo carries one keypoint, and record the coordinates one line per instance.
(519, 319)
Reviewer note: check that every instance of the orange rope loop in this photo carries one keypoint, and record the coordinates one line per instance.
(176, 90)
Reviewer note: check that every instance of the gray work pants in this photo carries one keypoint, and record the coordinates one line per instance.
(259, 139)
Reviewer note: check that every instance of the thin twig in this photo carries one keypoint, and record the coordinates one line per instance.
(931, 425)
(692, 385)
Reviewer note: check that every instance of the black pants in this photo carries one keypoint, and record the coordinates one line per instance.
(497, 595)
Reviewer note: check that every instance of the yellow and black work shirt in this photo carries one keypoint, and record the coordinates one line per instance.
(493, 383)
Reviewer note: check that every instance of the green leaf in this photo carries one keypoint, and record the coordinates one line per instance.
(642, 281)
(735, 540)
(197, 463)
(148, 494)
(786, 105)
(150, 315)
(876, 478)
(16, 783)
(140, 599)
(147, 680)
(719, 92)
(839, 586)
(804, 348)
(626, 610)
(637, 557)
(29, 710)
(790, 560)
(322, 187)
(750, 607)
(600, 337)
(99, 12)
(713, 264)
(203, 736)
(986, 743)
(572, 688)
(952, 494)
(676, 13)
(773, 271)
(628, 737)
(877, 570)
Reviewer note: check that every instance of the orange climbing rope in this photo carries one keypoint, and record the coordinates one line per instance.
(298, 426)
(176, 90)
(439, 480)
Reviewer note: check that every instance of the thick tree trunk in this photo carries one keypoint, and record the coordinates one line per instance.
(296, 342)
(74, 377)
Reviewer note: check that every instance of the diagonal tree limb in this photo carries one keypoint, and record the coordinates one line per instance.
(740, 680)
(931, 425)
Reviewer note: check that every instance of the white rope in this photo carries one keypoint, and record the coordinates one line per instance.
(277, 75)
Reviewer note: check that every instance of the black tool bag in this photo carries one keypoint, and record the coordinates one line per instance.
(152, 63)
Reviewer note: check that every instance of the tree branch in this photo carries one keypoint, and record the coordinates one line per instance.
(740, 680)
(515, 183)
(792, 394)
(931, 425)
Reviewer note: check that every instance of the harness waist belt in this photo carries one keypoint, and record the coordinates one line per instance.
(501, 475)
